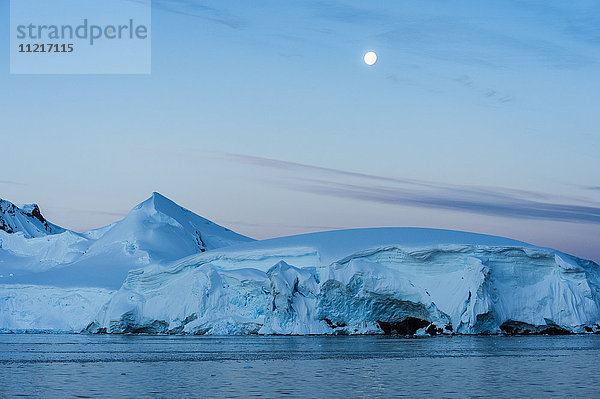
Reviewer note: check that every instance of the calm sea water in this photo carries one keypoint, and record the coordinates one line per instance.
(333, 367)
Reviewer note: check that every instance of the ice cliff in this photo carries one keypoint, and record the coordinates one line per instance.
(405, 280)
(33, 308)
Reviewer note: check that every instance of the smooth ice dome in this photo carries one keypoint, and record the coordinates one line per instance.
(164, 269)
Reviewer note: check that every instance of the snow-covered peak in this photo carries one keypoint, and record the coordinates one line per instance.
(159, 203)
(160, 209)
(162, 215)
(26, 219)
(154, 231)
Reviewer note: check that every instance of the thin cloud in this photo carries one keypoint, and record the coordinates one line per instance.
(492, 94)
(458, 200)
(196, 8)
(340, 12)
(13, 183)
(121, 214)
(298, 167)
(451, 39)
(498, 96)
(492, 201)
(240, 223)
(117, 214)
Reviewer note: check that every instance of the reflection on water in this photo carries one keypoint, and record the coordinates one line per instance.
(368, 366)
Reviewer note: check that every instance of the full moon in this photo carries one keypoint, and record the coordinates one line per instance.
(370, 58)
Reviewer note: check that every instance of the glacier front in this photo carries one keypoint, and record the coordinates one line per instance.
(363, 281)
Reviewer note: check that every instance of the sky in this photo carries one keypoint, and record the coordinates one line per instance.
(263, 117)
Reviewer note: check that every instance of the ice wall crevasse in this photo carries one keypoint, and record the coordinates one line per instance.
(478, 310)
(294, 296)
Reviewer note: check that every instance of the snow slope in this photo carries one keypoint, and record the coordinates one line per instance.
(362, 281)
(155, 231)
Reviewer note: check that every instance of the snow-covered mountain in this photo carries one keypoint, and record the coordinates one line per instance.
(160, 229)
(27, 220)
(54, 279)
(29, 243)
(362, 281)
(155, 231)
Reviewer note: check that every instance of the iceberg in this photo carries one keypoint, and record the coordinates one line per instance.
(165, 270)
(363, 281)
